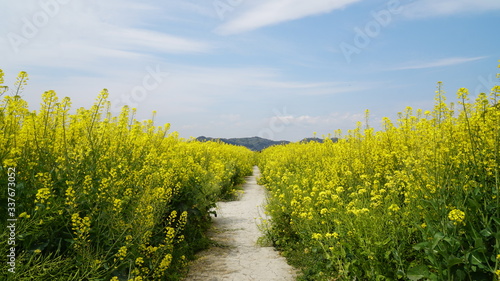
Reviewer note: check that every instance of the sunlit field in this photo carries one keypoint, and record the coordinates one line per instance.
(93, 196)
(102, 197)
(418, 200)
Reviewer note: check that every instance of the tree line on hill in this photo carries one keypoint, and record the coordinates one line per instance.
(254, 143)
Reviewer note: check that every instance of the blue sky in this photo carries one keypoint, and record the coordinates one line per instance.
(280, 69)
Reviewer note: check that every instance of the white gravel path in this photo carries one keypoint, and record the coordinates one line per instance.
(236, 256)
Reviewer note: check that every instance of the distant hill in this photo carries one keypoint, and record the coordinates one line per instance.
(252, 143)
(255, 143)
(313, 139)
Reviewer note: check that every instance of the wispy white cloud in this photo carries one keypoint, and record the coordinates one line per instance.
(231, 117)
(430, 8)
(328, 120)
(253, 81)
(437, 63)
(311, 88)
(140, 39)
(272, 12)
(78, 32)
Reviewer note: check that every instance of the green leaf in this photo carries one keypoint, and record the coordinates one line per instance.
(70, 241)
(460, 275)
(486, 233)
(475, 259)
(437, 238)
(474, 203)
(452, 260)
(451, 241)
(496, 220)
(479, 245)
(433, 277)
(421, 245)
(418, 272)
(387, 254)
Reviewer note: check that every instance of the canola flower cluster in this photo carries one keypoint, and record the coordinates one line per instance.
(418, 200)
(105, 197)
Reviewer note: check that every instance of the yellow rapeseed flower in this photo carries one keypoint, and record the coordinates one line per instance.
(456, 216)
(24, 215)
(122, 252)
(317, 236)
(42, 195)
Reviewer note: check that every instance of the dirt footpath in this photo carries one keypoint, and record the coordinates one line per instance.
(236, 256)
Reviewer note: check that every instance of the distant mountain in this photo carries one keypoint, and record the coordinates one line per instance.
(314, 139)
(252, 143)
(256, 143)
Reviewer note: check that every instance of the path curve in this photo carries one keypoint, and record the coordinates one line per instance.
(236, 256)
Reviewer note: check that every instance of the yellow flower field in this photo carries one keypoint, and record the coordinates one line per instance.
(102, 197)
(418, 200)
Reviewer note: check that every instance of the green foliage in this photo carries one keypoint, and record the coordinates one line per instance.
(416, 201)
(102, 197)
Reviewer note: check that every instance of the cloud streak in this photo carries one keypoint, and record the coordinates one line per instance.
(438, 63)
(156, 41)
(431, 8)
(76, 28)
(278, 11)
(309, 120)
(217, 81)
